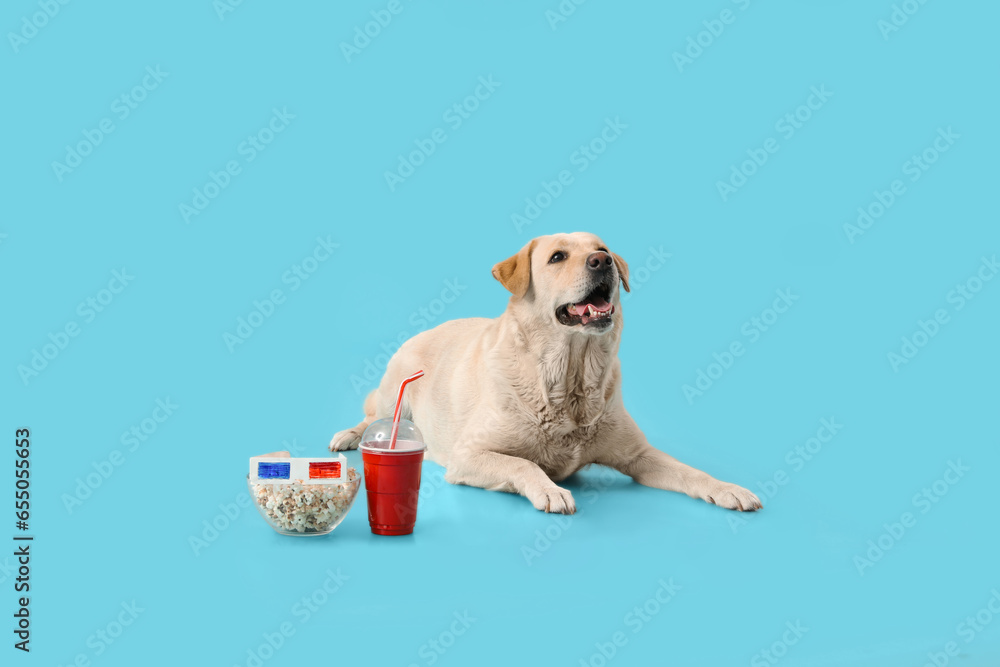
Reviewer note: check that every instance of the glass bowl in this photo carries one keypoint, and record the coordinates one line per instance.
(305, 509)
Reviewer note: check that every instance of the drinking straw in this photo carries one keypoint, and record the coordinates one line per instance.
(399, 406)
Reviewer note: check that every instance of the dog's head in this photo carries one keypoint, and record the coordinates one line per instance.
(567, 280)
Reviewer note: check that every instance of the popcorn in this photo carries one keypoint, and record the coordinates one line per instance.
(306, 508)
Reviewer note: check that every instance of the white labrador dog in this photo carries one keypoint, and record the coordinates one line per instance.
(520, 402)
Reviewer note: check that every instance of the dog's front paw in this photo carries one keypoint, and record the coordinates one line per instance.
(553, 499)
(733, 497)
(349, 439)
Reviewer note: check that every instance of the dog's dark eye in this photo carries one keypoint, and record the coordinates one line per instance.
(603, 249)
(557, 257)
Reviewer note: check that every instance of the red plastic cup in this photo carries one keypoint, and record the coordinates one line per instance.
(392, 481)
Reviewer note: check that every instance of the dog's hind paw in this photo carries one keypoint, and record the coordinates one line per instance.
(553, 499)
(734, 497)
(349, 439)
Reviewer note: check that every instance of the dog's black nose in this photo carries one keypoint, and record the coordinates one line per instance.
(599, 261)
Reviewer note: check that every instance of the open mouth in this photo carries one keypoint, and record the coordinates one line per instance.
(595, 309)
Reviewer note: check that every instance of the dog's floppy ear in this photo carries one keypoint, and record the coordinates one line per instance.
(622, 270)
(514, 273)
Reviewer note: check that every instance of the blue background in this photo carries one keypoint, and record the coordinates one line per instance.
(535, 599)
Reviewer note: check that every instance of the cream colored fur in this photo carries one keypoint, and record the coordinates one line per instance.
(521, 402)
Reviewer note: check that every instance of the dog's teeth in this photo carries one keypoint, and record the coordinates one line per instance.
(590, 310)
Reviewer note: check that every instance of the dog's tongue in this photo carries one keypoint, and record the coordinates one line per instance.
(597, 303)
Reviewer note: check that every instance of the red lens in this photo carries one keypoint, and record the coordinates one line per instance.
(324, 469)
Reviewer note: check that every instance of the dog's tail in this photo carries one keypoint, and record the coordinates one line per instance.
(351, 438)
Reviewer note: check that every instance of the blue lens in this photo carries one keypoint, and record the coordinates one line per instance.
(273, 470)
